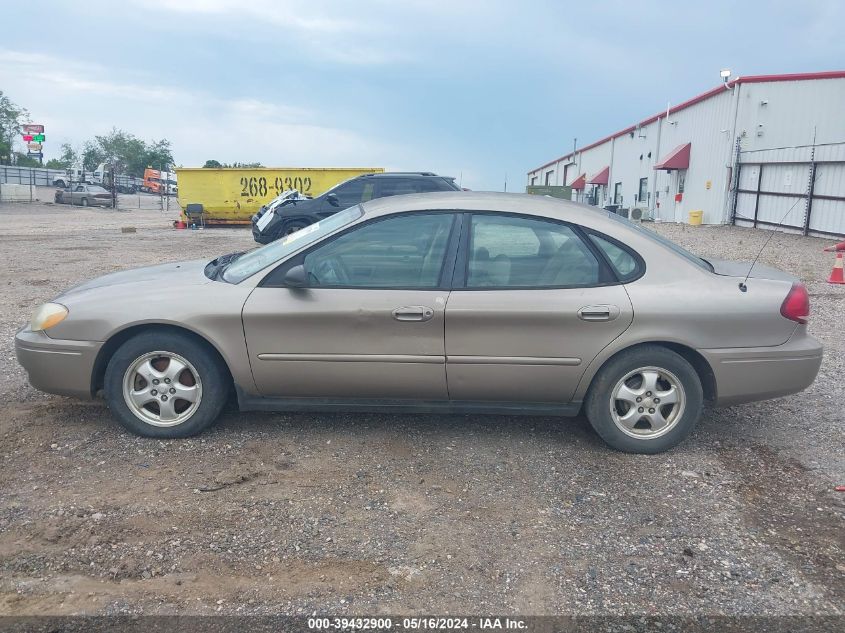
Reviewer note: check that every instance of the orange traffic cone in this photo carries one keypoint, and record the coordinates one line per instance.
(836, 248)
(836, 275)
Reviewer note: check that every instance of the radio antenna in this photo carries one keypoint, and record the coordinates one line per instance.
(742, 285)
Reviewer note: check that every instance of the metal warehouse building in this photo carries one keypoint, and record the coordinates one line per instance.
(756, 151)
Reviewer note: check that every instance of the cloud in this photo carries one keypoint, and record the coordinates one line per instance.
(76, 103)
(299, 16)
(320, 30)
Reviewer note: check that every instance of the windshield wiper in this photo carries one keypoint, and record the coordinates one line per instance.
(214, 269)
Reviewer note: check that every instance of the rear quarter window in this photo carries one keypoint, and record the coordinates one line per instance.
(624, 263)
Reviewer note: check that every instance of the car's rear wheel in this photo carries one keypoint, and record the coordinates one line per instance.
(84, 202)
(645, 400)
(165, 385)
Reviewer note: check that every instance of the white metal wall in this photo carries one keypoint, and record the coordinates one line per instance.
(763, 116)
(799, 189)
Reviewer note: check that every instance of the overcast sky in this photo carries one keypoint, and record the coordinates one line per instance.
(481, 90)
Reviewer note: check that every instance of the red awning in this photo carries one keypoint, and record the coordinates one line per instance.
(600, 178)
(579, 183)
(678, 158)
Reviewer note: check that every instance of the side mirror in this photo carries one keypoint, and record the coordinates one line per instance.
(332, 200)
(296, 277)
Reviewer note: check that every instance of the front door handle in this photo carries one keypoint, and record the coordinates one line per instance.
(598, 313)
(413, 313)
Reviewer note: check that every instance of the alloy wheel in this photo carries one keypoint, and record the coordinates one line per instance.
(162, 388)
(647, 402)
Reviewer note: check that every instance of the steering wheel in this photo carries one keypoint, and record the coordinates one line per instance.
(330, 271)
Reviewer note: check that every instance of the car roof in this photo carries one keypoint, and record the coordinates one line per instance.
(519, 203)
(404, 174)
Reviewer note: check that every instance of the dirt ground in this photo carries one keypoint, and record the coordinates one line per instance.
(369, 514)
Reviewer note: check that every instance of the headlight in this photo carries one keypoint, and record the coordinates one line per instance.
(47, 316)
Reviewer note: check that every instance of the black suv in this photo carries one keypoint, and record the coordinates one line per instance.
(297, 214)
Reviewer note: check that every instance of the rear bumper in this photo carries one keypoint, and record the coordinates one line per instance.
(749, 374)
(57, 366)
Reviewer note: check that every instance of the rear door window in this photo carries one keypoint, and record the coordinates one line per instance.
(398, 186)
(519, 252)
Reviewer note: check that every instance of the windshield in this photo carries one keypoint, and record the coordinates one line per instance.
(250, 263)
(656, 237)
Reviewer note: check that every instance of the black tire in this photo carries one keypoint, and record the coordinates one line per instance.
(212, 375)
(291, 226)
(598, 402)
(84, 202)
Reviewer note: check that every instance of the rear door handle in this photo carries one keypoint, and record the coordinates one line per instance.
(413, 313)
(598, 313)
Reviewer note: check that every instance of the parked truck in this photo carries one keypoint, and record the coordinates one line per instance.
(104, 176)
(73, 175)
(160, 182)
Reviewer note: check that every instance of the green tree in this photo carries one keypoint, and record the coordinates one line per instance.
(68, 158)
(211, 164)
(22, 160)
(126, 153)
(12, 118)
(157, 155)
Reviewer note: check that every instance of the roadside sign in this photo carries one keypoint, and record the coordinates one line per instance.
(33, 147)
(33, 128)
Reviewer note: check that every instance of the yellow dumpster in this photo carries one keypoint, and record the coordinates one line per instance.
(232, 195)
(695, 217)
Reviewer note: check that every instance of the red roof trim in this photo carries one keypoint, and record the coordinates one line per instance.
(580, 182)
(678, 158)
(601, 177)
(752, 79)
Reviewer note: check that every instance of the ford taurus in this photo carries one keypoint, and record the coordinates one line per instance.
(449, 302)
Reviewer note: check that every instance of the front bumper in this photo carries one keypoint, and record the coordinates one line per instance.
(749, 374)
(57, 366)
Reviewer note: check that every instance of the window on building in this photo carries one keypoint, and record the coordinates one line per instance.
(549, 175)
(642, 196)
(533, 180)
(617, 193)
(682, 176)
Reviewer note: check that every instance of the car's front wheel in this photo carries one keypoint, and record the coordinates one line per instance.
(645, 400)
(289, 227)
(165, 385)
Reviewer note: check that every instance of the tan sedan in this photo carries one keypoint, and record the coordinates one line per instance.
(453, 302)
(84, 196)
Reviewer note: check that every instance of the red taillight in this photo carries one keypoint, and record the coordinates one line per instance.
(796, 306)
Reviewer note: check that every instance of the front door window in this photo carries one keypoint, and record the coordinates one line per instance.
(407, 251)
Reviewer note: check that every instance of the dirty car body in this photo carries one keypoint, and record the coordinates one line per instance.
(453, 302)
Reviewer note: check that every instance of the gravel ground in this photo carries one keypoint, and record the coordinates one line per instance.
(367, 514)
